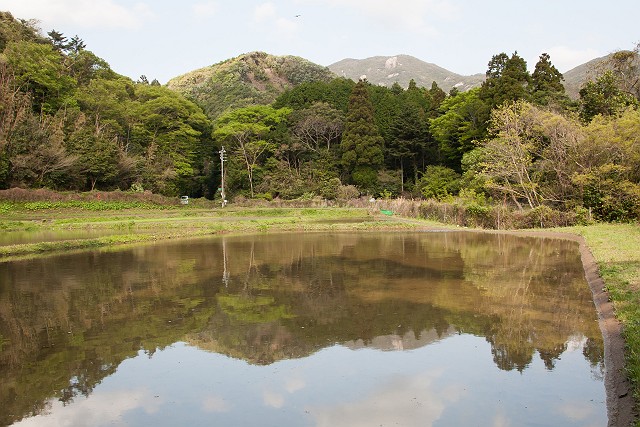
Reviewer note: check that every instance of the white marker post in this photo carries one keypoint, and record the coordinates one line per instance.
(222, 159)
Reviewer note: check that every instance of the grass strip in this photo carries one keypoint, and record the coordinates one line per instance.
(155, 229)
(616, 248)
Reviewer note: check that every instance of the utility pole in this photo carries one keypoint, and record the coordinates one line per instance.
(222, 160)
(225, 273)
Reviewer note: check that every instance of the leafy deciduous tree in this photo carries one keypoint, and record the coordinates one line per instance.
(462, 124)
(246, 130)
(508, 158)
(604, 96)
(38, 69)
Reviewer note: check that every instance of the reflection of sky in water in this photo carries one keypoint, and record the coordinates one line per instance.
(453, 382)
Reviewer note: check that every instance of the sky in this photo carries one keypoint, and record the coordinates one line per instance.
(162, 39)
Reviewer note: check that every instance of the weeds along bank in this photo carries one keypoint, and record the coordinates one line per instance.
(472, 212)
(463, 213)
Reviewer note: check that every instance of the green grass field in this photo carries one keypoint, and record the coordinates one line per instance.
(136, 224)
(616, 248)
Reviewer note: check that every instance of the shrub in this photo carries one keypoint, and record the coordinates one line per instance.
(346, 192)
(439, 181)
(264, 196)
(542, 217)
(330, 189)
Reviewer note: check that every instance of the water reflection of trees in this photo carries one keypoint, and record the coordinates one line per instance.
(68, 322)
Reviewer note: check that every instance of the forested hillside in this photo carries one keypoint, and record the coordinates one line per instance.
(517, 142)
(69, 122)
(251, 79)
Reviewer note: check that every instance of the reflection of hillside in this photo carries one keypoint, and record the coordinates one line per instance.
(408, 341)
(68, 322)
(534, 289)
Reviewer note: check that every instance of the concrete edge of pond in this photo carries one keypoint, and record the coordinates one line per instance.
(620, 402)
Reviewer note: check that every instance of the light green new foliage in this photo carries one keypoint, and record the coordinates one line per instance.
(245, 130)
(461, 124)
(38, 67)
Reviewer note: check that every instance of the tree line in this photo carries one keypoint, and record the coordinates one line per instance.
(69, 122)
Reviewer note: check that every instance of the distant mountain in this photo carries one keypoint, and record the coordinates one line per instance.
(259, 78)
(249, 79)
(576, 77)
(386, 70)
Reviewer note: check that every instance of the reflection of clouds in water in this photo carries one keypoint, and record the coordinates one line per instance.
(406, 401)
(575, 411)
(276, 399)
(98, 409)
(501, 420)
(294, 384)
(576, 343)
(215, 404)
(273, 399)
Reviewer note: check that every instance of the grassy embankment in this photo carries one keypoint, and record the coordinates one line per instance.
(111, 223)
(616, 248)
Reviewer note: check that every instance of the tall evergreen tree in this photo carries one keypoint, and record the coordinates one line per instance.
(361, 145)
(507, 80)
(76, 45)
(410, 145)
(58, 40)
(546, 82)
(436, 97)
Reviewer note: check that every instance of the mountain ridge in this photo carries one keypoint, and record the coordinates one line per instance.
(259, 78)
(401, 69)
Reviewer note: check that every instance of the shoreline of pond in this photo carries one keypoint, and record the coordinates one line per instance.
(620, 392)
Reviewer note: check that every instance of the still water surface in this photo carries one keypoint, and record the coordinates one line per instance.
(409, 329)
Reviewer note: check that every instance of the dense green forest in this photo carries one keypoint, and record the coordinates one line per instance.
(69, 122)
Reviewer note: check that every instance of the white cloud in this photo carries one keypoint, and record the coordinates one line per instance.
(405, 401)
(267, 14)
(294, 384)
(273, 399)
(501, 420)
(264, 12)
(205, 9)
(83, 13)
(565, 58)
(416, 16)
(286, 26)
(576, 411)
(99, 408)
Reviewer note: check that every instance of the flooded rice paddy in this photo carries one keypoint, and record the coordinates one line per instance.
(316, 329)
